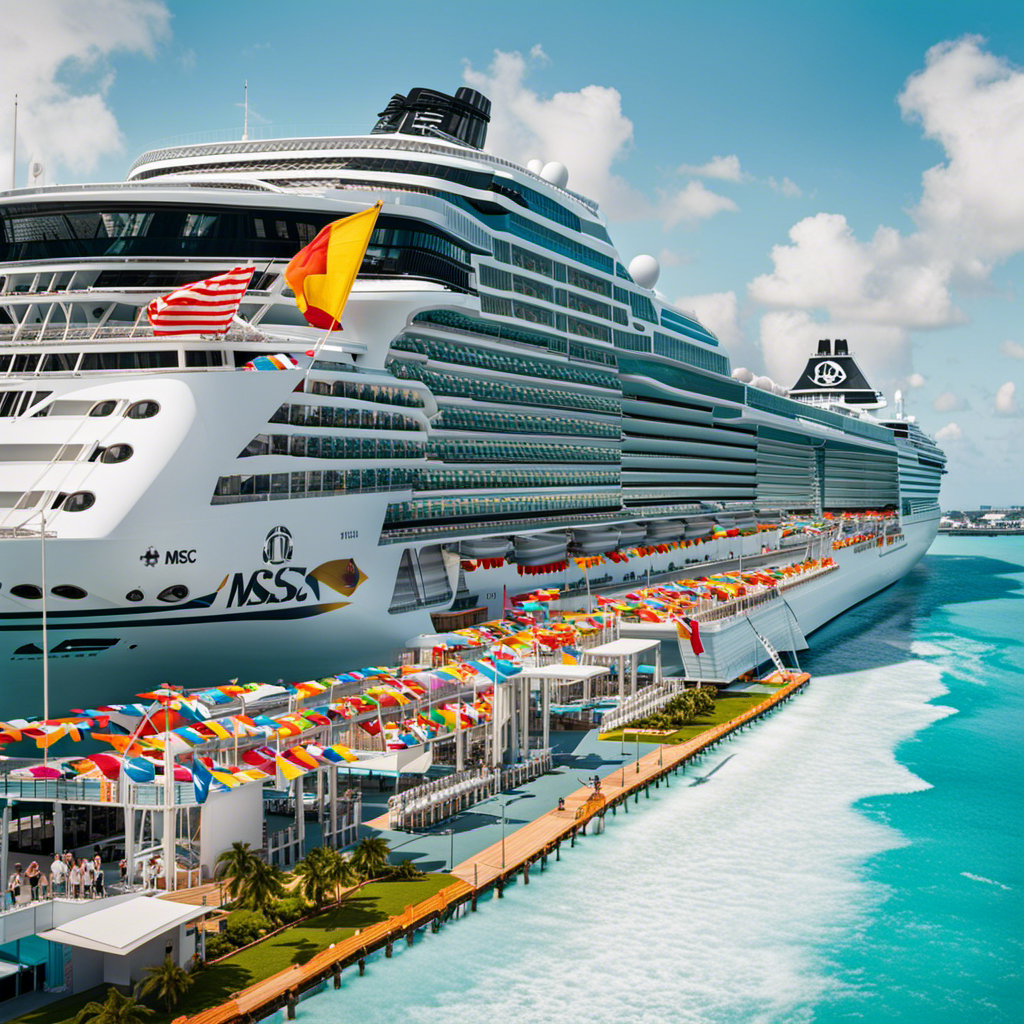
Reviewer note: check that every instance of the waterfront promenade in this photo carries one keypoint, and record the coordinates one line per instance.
(492, 867)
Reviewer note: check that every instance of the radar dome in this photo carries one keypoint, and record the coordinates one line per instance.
(535, 165)
(742, 374)
(764, 383)
(556, 173)
(645, 270)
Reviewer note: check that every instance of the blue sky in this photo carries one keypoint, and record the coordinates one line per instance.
(801, 170)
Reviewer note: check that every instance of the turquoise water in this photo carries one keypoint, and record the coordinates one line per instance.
(858, 859)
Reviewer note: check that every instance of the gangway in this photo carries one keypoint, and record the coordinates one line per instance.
(772, 653)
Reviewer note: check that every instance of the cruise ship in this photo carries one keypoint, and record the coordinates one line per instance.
(507, 393)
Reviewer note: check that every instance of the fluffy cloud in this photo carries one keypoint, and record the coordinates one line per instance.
(915, 380)
(970, 216)
(718, 311)
(1012, 349)
(51, 44)
(692, 203)
(724, 168)
(788, 337)
(950, 432)
(1006, 400)
(949, 402)
(587, 131)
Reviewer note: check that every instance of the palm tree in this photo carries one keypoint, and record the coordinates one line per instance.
(318, 873)
(346, 875)
(370, 856)
(117, 1008)
(262, 886)
(234, 865)
(167, 981)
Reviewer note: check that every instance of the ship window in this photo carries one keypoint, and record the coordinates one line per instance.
(27, 591)
(142, 410)
(99, 409)
(79, 501)
(117, 453)
(151, 360)
(135, 596)
(59, 362)
(171, 595)
(68, 591)
(194, 358)
(20, 499)
(24, 363)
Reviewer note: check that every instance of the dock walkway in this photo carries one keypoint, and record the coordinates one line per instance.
(492, 867)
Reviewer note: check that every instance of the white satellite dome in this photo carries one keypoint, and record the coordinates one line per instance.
(556, 173)
(535, 165)
(764, 383)
(742, 374)
(645, 270)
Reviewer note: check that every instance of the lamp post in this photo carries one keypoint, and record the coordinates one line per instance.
(46, 645)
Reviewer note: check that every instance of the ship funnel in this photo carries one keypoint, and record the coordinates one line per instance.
(841, 349)
(461, 118)
(824, 347)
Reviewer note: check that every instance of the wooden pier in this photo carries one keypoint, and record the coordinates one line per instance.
(529, 845)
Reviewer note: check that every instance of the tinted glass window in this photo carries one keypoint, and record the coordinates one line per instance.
(142, 410)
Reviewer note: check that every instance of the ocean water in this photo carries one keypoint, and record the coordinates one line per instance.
(858, 859)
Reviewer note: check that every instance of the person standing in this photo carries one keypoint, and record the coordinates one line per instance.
(14, 885)
(87, 877)
(58, 875)
(123, 872)
(32, 877)
(98, 882)
(75, 881)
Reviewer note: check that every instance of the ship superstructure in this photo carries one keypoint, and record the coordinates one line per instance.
(506, 393)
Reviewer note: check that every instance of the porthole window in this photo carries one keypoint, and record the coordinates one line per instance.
(117, 453)
(135, 596)
(79, 501)
(103, 408)
(142, 410)
(68, 591)
(171, 595)
(28, 591)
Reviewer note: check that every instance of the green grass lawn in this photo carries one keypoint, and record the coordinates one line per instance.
(727, 706)
(294, 945)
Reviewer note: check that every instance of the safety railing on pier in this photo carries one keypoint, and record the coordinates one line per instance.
(645, 702)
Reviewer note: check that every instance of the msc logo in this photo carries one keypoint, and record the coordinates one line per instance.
(278, 547)
(150, 558)
(827, 374)
(293, 583)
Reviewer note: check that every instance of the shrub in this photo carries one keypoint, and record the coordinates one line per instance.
(405, 872)
(246, 926)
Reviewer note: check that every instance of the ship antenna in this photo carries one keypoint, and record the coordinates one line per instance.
(14, 147)
(245, 122)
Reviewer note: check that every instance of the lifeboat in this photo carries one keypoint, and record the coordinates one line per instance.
(592, 540)
(631, 534)
(541, 548)
(661, 530)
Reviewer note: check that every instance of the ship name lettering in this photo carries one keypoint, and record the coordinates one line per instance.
(266, 587)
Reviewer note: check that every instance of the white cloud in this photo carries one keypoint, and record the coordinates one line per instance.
(585, 130)
(724, 168)
(187, 60)
(537, 53)
(1012, 349)
(949, 402)
(950, 432)
(1006, 400)
(970, 216)
(694, 202)
(915, 380)
(789, 336)
(69, 126)
(671, 258)
(786, 187)
(718, 311)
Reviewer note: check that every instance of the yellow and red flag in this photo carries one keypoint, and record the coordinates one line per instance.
(322, 274)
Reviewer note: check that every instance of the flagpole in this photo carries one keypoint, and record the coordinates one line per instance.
(46, 644)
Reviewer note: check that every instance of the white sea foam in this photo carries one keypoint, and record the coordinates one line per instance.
(987, 881)
(710, 905)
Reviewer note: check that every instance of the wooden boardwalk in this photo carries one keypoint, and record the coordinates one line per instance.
(528, 844)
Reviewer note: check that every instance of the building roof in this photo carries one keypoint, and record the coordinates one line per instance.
(560, 673)
(626, 646)
(126, 925)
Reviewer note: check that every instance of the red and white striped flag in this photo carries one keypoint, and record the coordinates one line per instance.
(202, 307)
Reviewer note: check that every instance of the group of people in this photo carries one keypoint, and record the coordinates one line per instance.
(75, 878)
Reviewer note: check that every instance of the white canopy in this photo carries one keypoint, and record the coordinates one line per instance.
(126, 925)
